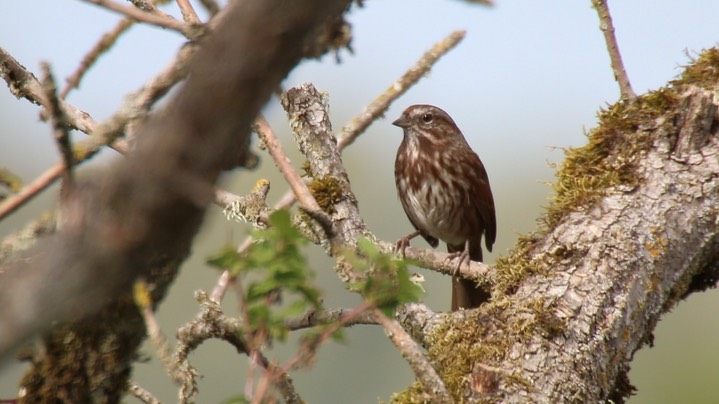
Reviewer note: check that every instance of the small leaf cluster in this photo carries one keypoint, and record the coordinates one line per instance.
(281, 283)
(388, 283)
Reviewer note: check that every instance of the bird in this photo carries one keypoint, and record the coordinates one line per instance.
(444, 190)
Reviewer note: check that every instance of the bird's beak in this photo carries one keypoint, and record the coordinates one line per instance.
(403, 122)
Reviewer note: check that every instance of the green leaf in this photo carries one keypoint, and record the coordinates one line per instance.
(279, 269)
(241, 399)
(388, 281)
(228, 258)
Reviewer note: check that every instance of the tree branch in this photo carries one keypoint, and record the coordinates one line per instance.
(423, 370)
(329, 316)
(22, 83)
(142, 394)
(105, 43)
(613, 259)
(607, 27)
(188, 13)
(358, 124)
(212, 323)
(60, 127)
(308, 114)
(155, 18)
(298, 186)
(156, 197)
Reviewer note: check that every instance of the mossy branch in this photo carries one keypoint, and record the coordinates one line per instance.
(633, 229)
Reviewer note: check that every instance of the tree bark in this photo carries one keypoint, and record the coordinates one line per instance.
(579, 298)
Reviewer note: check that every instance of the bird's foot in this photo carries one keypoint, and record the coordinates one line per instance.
(463, 257)
(402, 244)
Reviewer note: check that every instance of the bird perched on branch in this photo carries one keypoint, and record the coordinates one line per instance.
(444, 190)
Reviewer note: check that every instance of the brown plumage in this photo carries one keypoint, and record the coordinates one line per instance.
(444, 190)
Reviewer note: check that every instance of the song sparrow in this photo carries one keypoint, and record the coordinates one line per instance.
(445, 192)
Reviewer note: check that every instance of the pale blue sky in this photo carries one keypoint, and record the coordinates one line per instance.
(528, 78)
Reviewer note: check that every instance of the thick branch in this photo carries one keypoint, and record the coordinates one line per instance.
(598, 281)
(308, 113)
(151, 204)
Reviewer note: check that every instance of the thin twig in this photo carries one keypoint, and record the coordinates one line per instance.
(423, 370)
(329, 316)
(142, 394)
(155, 18)
(60, 126)
(31, 189)
(607, 27)
(105, 43)
(226, 278)
(443, 263)
(360, 122)
(188, 13)
(347, 318)
(22, 83)
(212, 323)
(298, 186)
(143, 300)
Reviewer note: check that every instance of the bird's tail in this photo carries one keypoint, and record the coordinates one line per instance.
(466, 293)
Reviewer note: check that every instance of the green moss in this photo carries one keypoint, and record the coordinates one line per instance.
(588, 173)
(623, 388)
(499, 325)
(703, 71)
(9, 180)
(327, 192)
(413, 395)
(515, 267)
(306, 169)
(546, 322)
(82, 151)
(607, 163)
(610, 157)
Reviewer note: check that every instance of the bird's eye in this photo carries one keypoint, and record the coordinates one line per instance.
(427, 118)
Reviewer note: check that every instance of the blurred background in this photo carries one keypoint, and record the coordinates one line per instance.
(526, 82)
